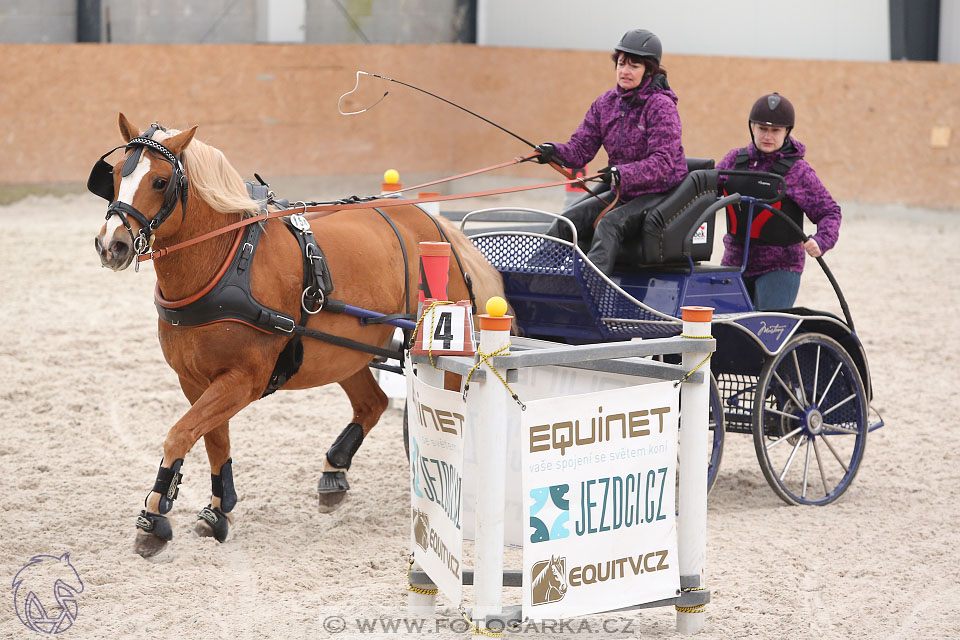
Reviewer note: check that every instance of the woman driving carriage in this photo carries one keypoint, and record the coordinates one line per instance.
(638, 125)
(776, 253)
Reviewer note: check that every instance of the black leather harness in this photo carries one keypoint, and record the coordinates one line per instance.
(231, 299)
(100, 183)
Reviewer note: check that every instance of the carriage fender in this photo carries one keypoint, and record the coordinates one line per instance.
(739, 352)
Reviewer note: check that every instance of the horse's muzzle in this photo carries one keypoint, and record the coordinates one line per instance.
(117, 254)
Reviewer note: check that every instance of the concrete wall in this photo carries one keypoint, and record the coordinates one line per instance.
(950, 31)
(241, 21)
(385, 21)
(876, 132)
(32, 21)
(182, 21)
(812, 29)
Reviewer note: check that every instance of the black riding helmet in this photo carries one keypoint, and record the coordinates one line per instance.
(772, 110)
(642, 43)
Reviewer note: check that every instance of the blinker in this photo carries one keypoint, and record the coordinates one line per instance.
(100, 182)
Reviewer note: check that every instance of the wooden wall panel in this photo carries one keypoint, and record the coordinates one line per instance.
(869, 127)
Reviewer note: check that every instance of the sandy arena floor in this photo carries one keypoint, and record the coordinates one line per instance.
(86, 400)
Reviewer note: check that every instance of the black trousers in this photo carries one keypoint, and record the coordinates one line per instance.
(603, 242)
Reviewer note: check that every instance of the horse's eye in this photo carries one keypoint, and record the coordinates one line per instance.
(159, 183)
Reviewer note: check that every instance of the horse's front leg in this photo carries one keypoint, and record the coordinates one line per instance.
(369, 402)
(214, 520)
(227, 395)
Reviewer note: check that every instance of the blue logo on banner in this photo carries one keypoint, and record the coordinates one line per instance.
(549, 513)
(33, 586)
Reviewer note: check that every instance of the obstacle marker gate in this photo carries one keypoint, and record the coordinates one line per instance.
(491, 415)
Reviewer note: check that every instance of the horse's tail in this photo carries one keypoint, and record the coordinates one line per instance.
(486, 280)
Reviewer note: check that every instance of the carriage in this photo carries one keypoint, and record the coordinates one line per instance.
(796, 379)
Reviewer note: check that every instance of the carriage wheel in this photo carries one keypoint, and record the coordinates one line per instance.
(717, 431)
(809, 420)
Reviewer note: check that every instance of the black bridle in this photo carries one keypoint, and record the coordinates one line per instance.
(100, 183)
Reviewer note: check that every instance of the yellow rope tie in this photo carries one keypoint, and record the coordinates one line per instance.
(410, 587)
(691, 372)
(700, 608)
(416, 329)
(480, 631)
(483, 359)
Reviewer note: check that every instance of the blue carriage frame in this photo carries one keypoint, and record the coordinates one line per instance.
(797, 379)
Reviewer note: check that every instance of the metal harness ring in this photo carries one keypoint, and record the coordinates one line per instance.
(321, 299)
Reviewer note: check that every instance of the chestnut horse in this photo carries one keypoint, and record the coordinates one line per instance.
(167, 193)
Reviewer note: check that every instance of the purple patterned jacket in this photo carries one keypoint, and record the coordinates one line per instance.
(642, 139)
(804, 187)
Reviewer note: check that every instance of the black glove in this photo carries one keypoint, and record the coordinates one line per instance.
(610, 175)
(547, 152)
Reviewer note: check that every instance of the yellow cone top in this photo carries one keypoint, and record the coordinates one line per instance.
(391, 176)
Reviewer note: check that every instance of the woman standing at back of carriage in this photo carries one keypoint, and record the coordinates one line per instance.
(776, 257)
(638, 125)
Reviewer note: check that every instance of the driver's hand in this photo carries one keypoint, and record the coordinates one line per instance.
(812, 248)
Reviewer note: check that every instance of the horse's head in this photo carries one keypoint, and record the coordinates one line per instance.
(143, 191)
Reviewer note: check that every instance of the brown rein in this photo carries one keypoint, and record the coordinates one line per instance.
(317, 210)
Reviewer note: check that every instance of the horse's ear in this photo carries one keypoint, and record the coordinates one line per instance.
(127, 130)
(179, 142)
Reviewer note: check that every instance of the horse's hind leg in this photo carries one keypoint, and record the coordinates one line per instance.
(214, 520)
(369, 402)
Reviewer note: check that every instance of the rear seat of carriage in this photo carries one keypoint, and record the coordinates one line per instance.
(670, 224)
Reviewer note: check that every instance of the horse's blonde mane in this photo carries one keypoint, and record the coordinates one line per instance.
(213, 179)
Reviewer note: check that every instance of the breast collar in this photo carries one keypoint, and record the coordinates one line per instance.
(228, 298)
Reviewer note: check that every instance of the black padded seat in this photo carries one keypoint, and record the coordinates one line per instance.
(700, 164)
(669, 222)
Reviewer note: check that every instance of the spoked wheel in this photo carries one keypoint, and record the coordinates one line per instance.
(717, 430)
(810, 420)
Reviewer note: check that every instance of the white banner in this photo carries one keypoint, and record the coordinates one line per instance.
(599, 474)
(436, 420)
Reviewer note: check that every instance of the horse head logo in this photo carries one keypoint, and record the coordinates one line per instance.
(549, 580)
(421, 529)
(31, 593)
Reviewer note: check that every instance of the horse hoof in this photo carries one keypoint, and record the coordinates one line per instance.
(203, 529)
(330, 502)
(212, 523)
(147, 545)
(332, 490)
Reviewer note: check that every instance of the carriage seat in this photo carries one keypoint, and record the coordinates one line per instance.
(669, 222)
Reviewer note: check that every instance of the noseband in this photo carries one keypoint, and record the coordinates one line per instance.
(100, 183)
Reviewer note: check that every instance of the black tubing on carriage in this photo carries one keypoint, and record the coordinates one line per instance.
(722, 203)
(765, 203)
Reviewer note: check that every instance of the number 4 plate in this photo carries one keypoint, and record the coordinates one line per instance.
(446, 330)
